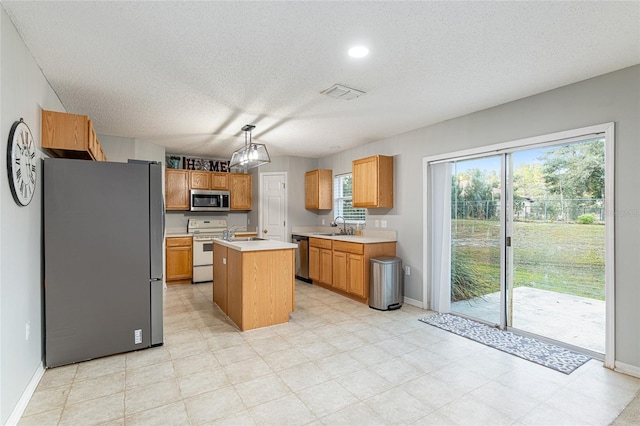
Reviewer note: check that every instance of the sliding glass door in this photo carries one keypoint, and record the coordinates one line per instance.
(556, 259)
(527, 240)
(476, 243)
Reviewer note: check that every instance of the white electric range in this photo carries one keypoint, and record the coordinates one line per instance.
(203, 232)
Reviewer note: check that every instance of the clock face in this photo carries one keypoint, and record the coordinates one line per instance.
(21, 163)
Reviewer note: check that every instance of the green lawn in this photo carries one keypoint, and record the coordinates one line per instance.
(565, 258)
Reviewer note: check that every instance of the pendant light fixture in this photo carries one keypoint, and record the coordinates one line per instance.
(251, 154)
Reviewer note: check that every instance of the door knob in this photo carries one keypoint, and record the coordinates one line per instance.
(264, 231)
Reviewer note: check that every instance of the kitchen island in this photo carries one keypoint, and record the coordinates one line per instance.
(253, 281)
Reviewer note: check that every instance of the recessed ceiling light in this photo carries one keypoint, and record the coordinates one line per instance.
(358, 52)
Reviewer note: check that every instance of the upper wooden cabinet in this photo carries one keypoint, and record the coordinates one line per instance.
(199, 179)
(318, 190)
(176, 182)
(240, 189)
(70, 136)
(219, 180)
(373, 182)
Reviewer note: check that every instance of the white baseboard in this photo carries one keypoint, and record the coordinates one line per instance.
(18, 410)
(628, 369)
(413, 302)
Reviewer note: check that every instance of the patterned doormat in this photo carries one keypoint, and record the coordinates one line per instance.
(552, 356)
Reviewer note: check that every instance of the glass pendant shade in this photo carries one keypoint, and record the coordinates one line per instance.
(251, 154)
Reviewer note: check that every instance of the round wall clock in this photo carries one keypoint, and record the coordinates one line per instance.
(21, 163)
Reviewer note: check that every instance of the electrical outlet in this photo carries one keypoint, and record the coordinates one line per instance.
(383, 223)
(248, 221)
(377, 223)
(137, 336)
(407, 270)
(323, 221)
(224, 260)
(27, 330)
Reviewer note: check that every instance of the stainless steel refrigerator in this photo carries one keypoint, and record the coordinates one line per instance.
(103, 237)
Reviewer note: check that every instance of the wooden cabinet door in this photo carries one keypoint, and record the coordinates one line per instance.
(326, 268)
(198, 179)
(62, 131)
(219, 180)
(240, 188)
(373, 182)
(318, 190)
(340, 270)
(314, 263)
(220, 276)
(311, 190)
(176, 189)
(355, 275)
(365, 182)
(179, 263)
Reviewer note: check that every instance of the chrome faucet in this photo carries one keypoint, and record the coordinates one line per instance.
(230, 233)
(344, 224)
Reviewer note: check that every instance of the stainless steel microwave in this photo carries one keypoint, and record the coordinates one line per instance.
(209, 201)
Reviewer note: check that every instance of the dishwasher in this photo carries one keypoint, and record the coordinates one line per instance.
(302, 257)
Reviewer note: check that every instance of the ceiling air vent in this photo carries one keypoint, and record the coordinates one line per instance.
(342, 92)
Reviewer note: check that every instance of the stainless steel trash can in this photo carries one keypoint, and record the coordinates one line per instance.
(386, 289)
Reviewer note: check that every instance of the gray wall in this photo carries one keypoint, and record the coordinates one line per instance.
(121, 149)
(24, 92)
(611, 97)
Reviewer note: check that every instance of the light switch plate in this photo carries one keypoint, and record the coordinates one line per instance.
(383, 223)
(377, 223)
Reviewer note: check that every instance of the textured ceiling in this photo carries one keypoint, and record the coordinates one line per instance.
(189, 75)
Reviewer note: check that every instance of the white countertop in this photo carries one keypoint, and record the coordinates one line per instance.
(177, 234)
(257, 245)
(350, 238)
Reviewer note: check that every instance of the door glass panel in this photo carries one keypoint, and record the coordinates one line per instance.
(475, 238)
(555, 286)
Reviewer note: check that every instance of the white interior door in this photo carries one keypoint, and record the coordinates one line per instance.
(273, 206)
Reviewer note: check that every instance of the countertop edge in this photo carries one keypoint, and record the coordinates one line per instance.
(263, 245)
(349, 238)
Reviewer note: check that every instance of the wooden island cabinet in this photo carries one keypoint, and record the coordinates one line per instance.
(253, 281)
(179, 254)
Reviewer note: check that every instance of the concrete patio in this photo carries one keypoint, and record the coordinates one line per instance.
(575, 320)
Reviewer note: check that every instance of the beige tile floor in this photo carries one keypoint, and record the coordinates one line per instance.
(336, 362)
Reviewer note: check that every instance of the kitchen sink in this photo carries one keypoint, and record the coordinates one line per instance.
(247, 239)
(335, 234)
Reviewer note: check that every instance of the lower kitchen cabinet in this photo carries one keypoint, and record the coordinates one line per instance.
(220, 276)
(179, 253)
(344, 266)
(320, 261)
(340, 271)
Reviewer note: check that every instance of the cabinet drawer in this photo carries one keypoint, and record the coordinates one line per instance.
(355, 248)
(320, 242)
(179, 241)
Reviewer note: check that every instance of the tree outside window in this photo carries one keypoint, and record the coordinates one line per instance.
(342, 191)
